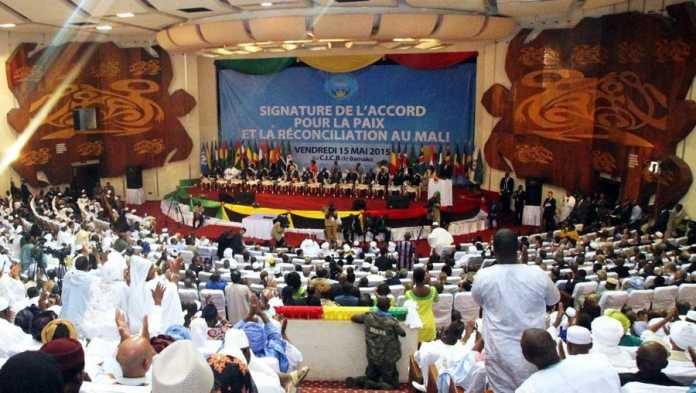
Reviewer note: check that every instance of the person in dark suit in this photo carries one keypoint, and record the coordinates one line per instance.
(519, 198)
(507, 187)
(445, 171)
(549, 215)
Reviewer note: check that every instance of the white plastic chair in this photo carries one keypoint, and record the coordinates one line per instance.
(613, 299)
(464, 303)
(640, 299)
(188, 295)
(443, 309)
(217, 297)
(687, 293)
(664, 298)
(397, 290)
(584, 288)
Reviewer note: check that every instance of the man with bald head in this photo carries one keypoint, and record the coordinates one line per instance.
(134, 353)
(576, 374)
(514, 298)
(651, 358)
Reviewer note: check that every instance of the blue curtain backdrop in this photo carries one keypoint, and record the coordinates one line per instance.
(360, 116)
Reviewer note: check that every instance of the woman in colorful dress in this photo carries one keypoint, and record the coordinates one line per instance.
(424, 296)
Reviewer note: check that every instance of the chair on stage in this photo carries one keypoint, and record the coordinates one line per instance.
(362, 190)
(314, 189)
(267, 185)
(346, 189)
(329, 189)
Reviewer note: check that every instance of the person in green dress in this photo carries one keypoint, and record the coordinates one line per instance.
(424, 296)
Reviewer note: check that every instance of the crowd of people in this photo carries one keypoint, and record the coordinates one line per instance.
(92, 295)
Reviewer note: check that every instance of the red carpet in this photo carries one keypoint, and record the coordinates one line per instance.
(339, 387)
(152, 208)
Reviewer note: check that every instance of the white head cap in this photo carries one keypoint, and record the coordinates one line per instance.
(180, 368)
(578, 335)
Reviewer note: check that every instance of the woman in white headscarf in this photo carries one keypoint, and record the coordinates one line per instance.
(138, 298)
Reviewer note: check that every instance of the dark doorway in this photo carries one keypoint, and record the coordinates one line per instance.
(611, 188)
(86, 177)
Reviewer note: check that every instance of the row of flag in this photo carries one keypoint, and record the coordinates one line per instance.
(431, 155)
(217, 155)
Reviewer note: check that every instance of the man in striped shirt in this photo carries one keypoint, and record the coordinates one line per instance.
(407, 252)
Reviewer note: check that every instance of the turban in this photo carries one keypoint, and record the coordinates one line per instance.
(53, 330)
(68, 353)
(578, 335)
(607, 331)
(683, 334)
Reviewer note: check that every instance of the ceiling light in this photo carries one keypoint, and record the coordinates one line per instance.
(428, 44)
(407, 39)
(7, 25)
(252, 48)
(266, 4)
(287, 46)
(297, 41)
(318, 48)
(125, 15)
(349, 44)
(104, 27)
(333, 40)
(223, 51)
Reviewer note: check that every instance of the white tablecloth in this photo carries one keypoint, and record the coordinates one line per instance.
(531, 215)
(135, 196)
(258, 226)
(445, 188)
(474, 224)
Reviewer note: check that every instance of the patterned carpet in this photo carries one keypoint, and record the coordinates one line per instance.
(340, 387)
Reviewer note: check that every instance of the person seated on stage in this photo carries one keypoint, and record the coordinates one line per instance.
(263, 173)
(368, 178)
(352, 176)
(276, 171)
(399, 177)
(336, 176)
(313, 168)
(359, 169)
(292, 174)
(383, 179)
(445, 170)
(307, 175)
(324, 177)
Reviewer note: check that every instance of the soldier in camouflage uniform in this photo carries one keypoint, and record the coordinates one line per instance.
(382, 333)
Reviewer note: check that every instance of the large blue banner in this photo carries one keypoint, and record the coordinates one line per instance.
(353, 117)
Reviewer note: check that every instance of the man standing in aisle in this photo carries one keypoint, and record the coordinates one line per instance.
(507, 187)
(514, 298)
(549, 212)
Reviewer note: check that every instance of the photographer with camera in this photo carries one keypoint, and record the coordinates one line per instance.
(280, 223)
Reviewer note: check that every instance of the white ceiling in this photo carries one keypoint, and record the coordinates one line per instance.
(363, 20)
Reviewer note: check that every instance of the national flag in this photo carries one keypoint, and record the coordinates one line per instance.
(263, 154)
(413, 157)
(393, 161)
(204, 160)
(478, 169)
(455, 162)
(278, 153)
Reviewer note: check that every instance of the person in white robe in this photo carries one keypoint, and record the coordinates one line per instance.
(514, 298)
(171, 311)
(445, 352)
(12, 339)
(606, 334)
(77, 284)
(575, 374)
(138, 297)
(107, 295)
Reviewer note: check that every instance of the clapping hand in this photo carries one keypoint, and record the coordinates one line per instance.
(158, 294)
